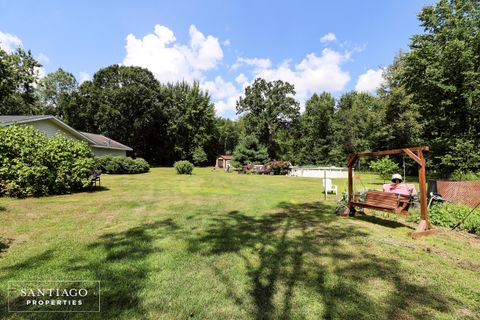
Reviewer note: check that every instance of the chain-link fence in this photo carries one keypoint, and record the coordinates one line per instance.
(462, 192)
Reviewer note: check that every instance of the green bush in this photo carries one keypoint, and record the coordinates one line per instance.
(121, 164)
(199, 156)
(31, 164)
(459, 175)
(385, 167)
(183, 167)
(449, 214)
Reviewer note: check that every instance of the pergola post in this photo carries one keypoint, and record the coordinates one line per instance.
(424, 227)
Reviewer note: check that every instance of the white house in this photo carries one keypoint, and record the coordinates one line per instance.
(51, 126)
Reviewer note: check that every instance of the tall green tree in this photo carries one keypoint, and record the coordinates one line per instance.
(442, 72)
(123, 103)
(191, 119)
(55, 92)
(357, 124)
(249, 151)
(18, 77)
(270, 112)
(227, 135)
(314, 142)
(402, 122)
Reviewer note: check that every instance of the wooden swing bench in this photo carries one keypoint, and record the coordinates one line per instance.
(383, 201)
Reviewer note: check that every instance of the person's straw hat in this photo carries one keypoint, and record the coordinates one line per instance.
(397, 176)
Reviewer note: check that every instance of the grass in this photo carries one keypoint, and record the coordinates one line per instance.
(227, 246)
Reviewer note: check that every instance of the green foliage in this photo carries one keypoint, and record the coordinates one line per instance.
(227, 134)
(356, 125)
(401, 124)
(18, 76)
(183, 167)
(199, 156)
(449, 214)
(31, 164)
(190, 121)
(249, 151)
(442, 74)
(462, 156)
(121, 164)
(384, 166)
(55, 92)
(270, 114)
(315, 137)
(459, 175)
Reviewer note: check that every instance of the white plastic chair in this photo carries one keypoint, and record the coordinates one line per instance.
(327, 185)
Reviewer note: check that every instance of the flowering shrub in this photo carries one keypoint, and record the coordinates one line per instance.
(31, 164)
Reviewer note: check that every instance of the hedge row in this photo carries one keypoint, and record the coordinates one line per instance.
(32, 164)
(120, 164)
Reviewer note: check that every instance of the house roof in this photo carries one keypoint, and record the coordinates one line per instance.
(226, 157)
(104, 142)
(95, 140)
(11, 120)
(8, 120)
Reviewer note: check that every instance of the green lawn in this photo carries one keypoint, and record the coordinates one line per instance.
(227, 246)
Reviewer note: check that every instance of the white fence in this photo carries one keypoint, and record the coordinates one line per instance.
(319, 172)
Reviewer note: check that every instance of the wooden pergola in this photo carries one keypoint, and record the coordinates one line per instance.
(416, 153)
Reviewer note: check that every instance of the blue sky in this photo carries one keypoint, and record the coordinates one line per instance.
(334, 46)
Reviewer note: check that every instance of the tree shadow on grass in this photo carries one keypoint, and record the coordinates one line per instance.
(119, 263)
(384, 222)
(123, 270)
(303, 248)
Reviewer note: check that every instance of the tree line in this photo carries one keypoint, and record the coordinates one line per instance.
(430, 96)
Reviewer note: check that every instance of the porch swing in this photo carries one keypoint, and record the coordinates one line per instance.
(392, 202)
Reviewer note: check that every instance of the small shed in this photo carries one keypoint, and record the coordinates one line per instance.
(223, 162)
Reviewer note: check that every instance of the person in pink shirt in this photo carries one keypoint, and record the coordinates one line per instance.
(398, 187)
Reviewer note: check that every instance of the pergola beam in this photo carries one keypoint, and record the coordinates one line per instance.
(389, 152)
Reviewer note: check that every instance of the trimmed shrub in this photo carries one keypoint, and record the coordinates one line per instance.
(449, 214)
(183, 167)
(31, 164)
(121, 165)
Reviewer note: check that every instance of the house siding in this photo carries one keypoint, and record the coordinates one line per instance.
(50, 128)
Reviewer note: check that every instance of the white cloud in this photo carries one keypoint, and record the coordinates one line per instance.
(241, 79)
(313, 74)
(43, 58)
(224, 93)
(329, 37)
(9, 42)
(256, 62)
(84, 76)
(227, 42)
(370, 80)
(171, 61)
